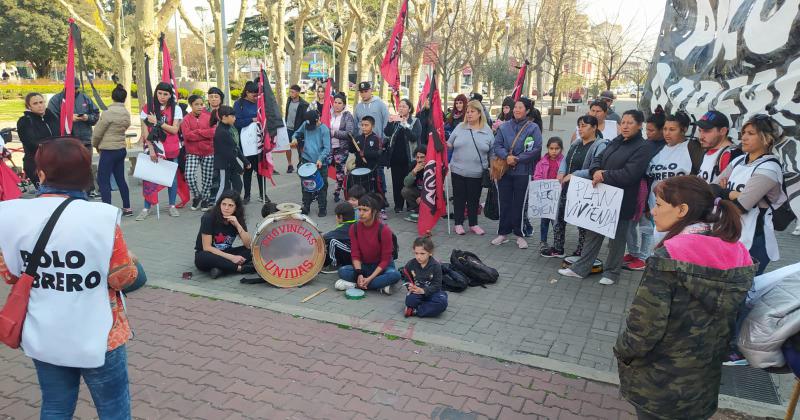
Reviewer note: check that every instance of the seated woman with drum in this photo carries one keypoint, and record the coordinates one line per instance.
(373, 266)
(214, 250)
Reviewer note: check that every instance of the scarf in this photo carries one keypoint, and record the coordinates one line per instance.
(46, 189)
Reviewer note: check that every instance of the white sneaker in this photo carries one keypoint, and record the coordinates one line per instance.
(387, 290)
(173, 212)
(142, 215)
(569, 273)
(796, 231)
(522, 243)
(499, 240)
(343, 284)
(606, 281)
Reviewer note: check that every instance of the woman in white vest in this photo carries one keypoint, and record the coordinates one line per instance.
(753, 182)
(75, 325)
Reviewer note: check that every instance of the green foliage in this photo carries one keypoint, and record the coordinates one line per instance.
(499, 74)
(36, 31)
(198, 92)
(18, 91)
(134, 90)
(235, 94)
(183, 92)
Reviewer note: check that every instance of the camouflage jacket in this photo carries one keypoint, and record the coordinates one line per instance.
(678, 329)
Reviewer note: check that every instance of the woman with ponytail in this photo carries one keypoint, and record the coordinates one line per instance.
(679, 324)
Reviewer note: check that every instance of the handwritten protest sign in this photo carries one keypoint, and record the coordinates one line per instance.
(596, 209)
(543, 198)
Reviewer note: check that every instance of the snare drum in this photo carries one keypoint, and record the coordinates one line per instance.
(361, 176)
(288, 249)
(310, 178)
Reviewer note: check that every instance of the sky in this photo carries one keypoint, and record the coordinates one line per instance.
(645, 14)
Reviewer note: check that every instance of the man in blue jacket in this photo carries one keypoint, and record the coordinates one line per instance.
(316, 139)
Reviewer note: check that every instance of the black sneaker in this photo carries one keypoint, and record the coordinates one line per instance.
(215, 273)
(322, 213)
(205, 205)
(329, 269)
(305, 210)
(195, 203)
(552, 253)
(248, 268)
(127, 213)
(290, 169)
(246, 199)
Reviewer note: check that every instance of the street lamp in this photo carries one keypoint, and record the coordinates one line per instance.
(201, 11)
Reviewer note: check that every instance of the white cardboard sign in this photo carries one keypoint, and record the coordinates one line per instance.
(161, 172)
(593, 208)
(543, 196)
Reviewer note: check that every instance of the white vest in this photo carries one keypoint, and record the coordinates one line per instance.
(740, 174)
(707, 171)
(69, 312)
(670, 162)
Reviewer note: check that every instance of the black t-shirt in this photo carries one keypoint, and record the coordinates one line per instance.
(222, 234)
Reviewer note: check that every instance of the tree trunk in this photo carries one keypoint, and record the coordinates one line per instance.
(145, 43)
(297, 53)
(553, 100)
(344, 58)
(42, 68)
(277, 45)
(414, 74)
(234, 76)
(125, 72)
(218, 48)
(457, 81)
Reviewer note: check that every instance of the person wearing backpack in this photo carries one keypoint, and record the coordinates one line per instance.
(426, 297)
(754, 183)
(372, 246)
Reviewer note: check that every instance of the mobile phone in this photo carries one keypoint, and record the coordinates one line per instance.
(406, 284)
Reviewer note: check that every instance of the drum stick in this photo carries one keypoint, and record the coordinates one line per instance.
(313, 295)
(358, 149)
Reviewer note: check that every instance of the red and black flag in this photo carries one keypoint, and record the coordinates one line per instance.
(425, 90)
(168, 76)
(265, 165)
(68, 103)
(390, 66)
(433, 204)
(520, 82)
(327, 115)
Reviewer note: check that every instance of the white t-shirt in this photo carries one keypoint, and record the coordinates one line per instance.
(609, 131)
(670, 162)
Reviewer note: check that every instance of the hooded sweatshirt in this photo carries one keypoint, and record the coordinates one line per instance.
(375, 108)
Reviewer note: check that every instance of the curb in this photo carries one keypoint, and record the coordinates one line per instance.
(749, 407)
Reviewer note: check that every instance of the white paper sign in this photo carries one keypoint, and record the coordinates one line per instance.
(543, 196)
(249, 139)
(161, 172)
(281, 140)
(593, 208)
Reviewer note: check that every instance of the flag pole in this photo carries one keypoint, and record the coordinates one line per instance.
(447, 181)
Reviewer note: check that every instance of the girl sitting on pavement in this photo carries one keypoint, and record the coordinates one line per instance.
(214, 250)
(425, 297)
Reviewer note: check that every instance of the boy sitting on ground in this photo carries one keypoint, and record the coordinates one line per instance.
(337, 241)
(412, 185)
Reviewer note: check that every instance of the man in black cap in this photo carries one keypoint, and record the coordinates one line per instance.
(608, 97)
(372, 106)
(720, 150)
(84, 116)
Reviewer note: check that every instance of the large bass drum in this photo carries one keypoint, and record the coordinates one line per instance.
(288, 248)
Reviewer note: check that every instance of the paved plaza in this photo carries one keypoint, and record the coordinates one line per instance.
(195, 357)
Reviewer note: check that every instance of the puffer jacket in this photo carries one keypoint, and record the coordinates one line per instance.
(198, 134)
(109, 133)
(679, 326)
(774, 318)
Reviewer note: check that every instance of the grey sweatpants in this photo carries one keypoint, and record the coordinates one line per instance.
(591, 248)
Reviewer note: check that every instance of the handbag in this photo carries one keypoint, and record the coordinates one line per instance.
(12, 316)
(486, 180)
(500, 165)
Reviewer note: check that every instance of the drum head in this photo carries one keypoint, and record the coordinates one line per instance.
(360, 171)
(307, 169)
(288, 252)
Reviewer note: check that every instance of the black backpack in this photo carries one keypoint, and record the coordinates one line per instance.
(380, 235)
(452, 280)
(476, 272)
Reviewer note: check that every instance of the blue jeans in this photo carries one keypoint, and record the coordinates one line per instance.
(643, 248)
(112, 162)
(430, 306)
(108, 385)
(543, 229)
(388, 277)
(172, 190)
(758, 250)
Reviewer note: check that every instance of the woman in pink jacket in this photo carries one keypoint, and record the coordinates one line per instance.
(198, 138)
(547, 168)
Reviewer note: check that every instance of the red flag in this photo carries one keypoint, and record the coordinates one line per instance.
(265, 165)
(390, 66)
(520, 82)
(433, 204)
(325, 118)
(68, 103)
(425, 90)
(167, 75)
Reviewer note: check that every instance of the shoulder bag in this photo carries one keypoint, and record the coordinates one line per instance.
(12, 316)
(500, 165)
(486, 180)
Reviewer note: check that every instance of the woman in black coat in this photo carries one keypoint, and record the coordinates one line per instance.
(37, 124)
(403, 130)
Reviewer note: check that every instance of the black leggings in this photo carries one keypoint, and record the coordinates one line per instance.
(205, 260)
(247, 176)
(466, 193)
(399, 172)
